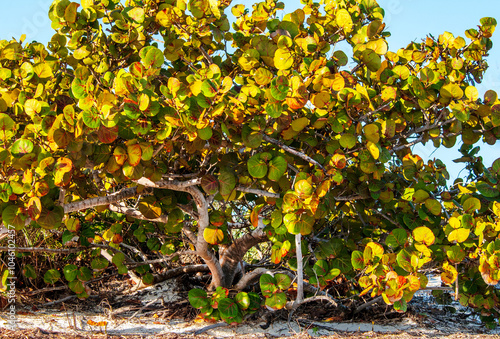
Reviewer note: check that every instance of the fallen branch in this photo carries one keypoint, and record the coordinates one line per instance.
(208, 328)
(143, 307)
(368, 304)
(55, 302)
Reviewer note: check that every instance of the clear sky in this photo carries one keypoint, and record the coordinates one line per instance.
(407, 20)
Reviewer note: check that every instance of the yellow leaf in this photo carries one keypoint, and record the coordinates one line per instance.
(343, 19)
(283, 59)
(459, 235)
(374, 149)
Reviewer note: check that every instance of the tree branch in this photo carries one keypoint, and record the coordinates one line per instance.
(123, 194)
(201, 245)
(257, 192)
(234, 254)
(378, 109)
(171, 184)
(175, 272)
(44, 250)
(292, 151)
(134, 213)
(161, 260)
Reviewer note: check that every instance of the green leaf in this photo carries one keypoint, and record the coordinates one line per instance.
(251, 138)
(486, 190)
(371, 59)
(99, 263)
(347, 140)
(433, 206)
(227, 182)
(398, 237)
(70, 272)
(91, 118)
(51, 276)
(51, 219)
(403, 259)
(420, 196)
(283, 281)
(198, 298)
(208, 89)
(243, 300)
(276, 301)
(279, 88)
(76, 286)
(321, 268)
(357, 260)
(257, 167)
(472, 204)
(5, 192)
(400, 306)
(205, 133)
(267, 285)
(296, 224)
(277, 167)
(210, 184)
(151, 57)
(21, 147)
(29, 271)
(118, 259)
(456, 254)
(84, 274)
(228, 308)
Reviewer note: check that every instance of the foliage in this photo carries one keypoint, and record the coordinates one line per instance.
(142, 120)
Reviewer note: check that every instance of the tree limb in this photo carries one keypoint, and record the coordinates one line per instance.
(201, 245)
(123, 194)
(257, 192)
(161, 260)
(233, 255)
(175, 272)
(171, 184)
(134, 213)
(292, 151)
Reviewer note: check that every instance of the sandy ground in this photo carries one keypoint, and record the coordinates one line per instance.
(142, 315)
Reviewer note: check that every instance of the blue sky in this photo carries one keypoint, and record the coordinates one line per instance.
(407, 20)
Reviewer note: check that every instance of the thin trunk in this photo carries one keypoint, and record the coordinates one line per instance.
(300, 272)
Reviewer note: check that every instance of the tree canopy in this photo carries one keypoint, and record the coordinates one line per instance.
(159, 125)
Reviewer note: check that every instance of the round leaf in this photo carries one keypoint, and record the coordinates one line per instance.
(424, 235)
(257, 167)
(277, 167)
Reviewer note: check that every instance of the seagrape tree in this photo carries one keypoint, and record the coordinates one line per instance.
(148, 131)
